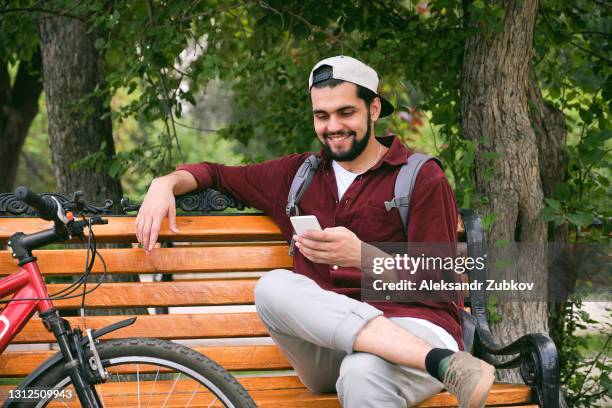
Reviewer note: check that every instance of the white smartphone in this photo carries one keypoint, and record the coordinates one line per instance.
(303, 223)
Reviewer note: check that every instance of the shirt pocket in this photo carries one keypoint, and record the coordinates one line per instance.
(375, 224)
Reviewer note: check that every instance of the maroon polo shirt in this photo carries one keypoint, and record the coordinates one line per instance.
(433, 215)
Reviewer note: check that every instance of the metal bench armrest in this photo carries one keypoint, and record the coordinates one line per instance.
(534, 354)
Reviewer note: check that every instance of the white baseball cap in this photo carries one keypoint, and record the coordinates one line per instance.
(351, 70)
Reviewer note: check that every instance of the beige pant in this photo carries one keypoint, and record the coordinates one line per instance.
(316, 329)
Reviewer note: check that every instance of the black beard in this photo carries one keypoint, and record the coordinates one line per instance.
(357, 147)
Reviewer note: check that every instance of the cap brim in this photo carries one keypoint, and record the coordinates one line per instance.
(386, 107)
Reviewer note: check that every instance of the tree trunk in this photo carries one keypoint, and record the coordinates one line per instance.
(551, 135)
(18, 107)
(79, 124)
(495, 116)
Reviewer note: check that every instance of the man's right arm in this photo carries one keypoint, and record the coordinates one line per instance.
(159, 203)
(257, 185)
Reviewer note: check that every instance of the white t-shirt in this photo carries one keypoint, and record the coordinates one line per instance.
(344, 179)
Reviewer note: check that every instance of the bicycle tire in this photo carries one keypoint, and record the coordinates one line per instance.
(123, 354)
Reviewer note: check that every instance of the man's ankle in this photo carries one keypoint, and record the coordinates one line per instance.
(436, 362)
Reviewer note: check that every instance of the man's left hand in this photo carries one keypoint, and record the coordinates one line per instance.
(333, 246)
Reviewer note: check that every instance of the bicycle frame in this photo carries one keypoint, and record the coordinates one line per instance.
(27, 283)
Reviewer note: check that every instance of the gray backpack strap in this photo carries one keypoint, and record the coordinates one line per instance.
(404, 184)
(302, 179)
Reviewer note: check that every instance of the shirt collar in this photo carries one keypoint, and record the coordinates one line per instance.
(395, 156)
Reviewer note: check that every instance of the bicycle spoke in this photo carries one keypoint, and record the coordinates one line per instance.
(210, 405)
(153, 388)
(172, 389)
(121, 386)
(193, 394)
(138, 383)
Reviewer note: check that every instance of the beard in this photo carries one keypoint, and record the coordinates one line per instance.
(355, 149)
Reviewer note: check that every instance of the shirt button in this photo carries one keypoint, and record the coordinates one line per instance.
(335, 267)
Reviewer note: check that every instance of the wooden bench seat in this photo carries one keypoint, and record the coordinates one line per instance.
(272, 392)
(226, 253)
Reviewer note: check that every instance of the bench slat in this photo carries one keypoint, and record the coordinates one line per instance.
(500, 394)
(264, 357)
(185, 259)
(192, 228)
(151, 294)
(175, 326)
(161, 260)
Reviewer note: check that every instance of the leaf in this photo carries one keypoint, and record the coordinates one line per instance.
(554, 204)
(562, 191)
(488, 220)
(547, 214)
(99, 44)
(188, 96)
(603, 181)
(580, 219)
(114, 168)
(502, 264)
(597, 138)
(492, 155)
(479, 4)
(501, 243)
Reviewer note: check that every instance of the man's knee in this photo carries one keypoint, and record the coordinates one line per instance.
(364, 382)
(270, 291)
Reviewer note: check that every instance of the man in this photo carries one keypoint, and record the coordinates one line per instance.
(378, 354)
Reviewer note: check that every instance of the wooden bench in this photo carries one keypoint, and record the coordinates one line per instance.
(224, 255)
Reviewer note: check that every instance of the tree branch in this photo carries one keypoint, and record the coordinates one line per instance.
(603, 4)
(586, 50)
(605, 347)
(5, 83)
(41, 10)
(28, 86)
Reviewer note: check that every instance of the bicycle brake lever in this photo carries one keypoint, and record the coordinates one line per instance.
(97, 220)
(79, 201)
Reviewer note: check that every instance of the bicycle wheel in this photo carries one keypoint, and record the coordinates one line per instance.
(151, 373)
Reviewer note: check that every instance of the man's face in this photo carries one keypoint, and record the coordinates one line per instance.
(341, 120)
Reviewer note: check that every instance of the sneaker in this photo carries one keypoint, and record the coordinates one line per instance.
(469, 379)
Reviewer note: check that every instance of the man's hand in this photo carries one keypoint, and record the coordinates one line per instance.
(333, 246)
(158, 204)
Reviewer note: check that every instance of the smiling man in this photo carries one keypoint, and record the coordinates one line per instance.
(374, 354)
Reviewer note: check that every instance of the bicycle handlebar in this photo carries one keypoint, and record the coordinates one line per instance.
(47, 208)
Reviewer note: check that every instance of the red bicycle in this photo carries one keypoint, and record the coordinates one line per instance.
(94, 373)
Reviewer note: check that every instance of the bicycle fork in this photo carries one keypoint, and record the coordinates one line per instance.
(83, 375)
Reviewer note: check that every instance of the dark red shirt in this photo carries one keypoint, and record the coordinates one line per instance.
(433, 215)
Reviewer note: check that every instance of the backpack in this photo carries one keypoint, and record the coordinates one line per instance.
(404, 184)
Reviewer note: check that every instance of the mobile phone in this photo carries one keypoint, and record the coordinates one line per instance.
(303, 223)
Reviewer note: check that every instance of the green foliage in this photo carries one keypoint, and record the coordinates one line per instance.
(492, 309)
(573, 64)
(35, 165)
(584, 359)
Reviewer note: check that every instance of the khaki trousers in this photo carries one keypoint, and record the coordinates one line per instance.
(316, 330)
